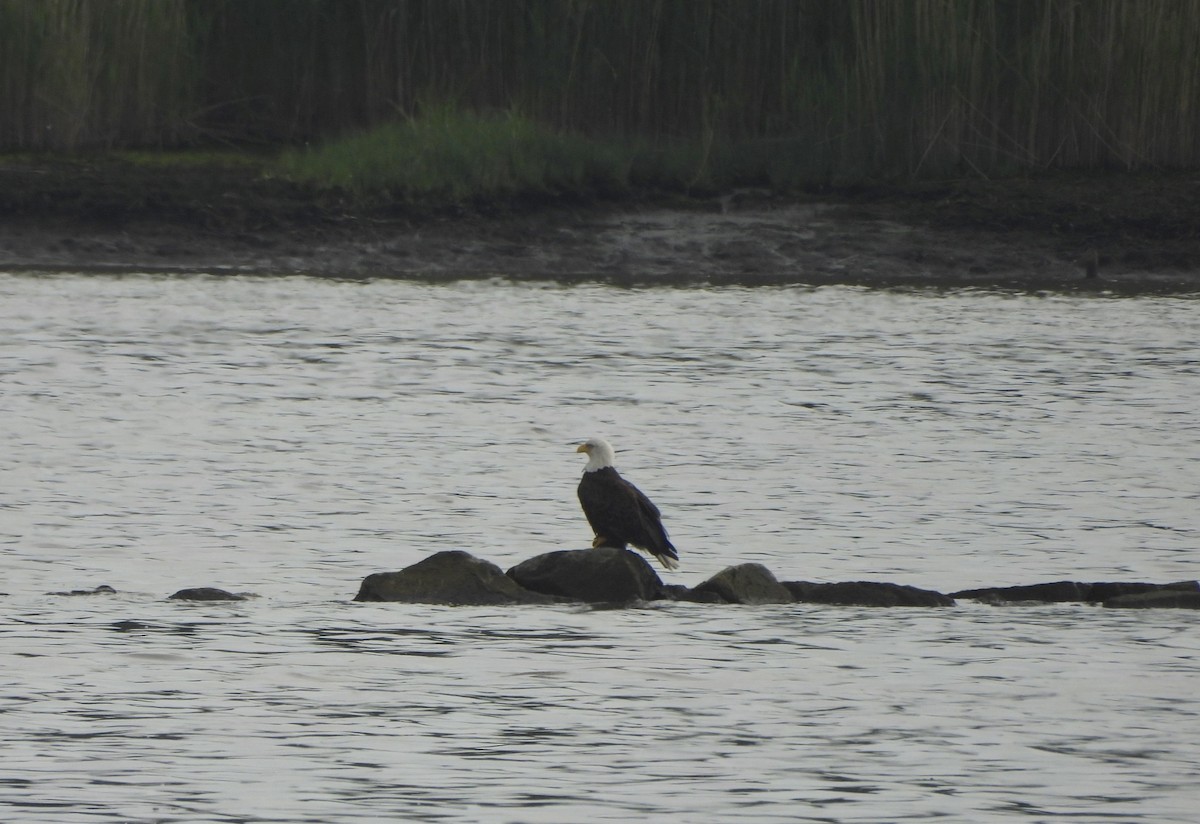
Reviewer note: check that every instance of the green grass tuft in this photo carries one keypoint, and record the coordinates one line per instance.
(450, 157)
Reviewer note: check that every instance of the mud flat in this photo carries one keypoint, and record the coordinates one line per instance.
(1014, 235)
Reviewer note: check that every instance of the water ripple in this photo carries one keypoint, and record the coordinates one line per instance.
(288, 436)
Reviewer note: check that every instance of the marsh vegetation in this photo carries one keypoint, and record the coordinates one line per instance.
(444, 98)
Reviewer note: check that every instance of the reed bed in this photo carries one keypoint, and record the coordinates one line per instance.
(75, 74)
(778, 90)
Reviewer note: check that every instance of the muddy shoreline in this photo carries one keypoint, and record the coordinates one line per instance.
(1024, 235)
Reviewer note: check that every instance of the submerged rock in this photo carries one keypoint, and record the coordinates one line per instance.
(866, 594)
(452, 577)
(205, 594)
(103, 589)
(744, 584)
(603, 575)
(1066, 591)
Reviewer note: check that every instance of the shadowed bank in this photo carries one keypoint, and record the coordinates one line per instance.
(116, 215)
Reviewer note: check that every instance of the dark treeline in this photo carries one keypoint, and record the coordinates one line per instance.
(844, 86)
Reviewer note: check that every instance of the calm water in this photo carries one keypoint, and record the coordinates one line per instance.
(286, 437)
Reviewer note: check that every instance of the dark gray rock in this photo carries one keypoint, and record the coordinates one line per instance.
(618, 576)
(597, 576)
(1108, 591)
(745, 584)
(678, 592)
(866, 594)
(702, 597)
(452, 577)
(1162, 598)
(674, 592)
(103, 589)
(1064, 591)
(1056, 592)
(205, 594)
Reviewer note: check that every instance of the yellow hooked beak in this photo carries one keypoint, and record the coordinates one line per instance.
(583, 448)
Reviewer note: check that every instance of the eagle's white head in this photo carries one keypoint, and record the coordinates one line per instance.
(599, 452)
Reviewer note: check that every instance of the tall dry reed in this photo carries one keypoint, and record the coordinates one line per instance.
(77, 73)
(827, 88)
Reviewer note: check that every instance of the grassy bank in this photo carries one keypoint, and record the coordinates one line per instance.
(820, 90)
(449, 157)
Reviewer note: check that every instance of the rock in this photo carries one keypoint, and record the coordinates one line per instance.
(103, 589)
(619, 576)
(866, 594)
(1108, 591)
(678, 592)
(1056, 592)
(205, 594)
(129, 626)
(451, 577)
(1158, 598)
(603, 575)
(745, 584)
(1062, 591)
(675, 592)
(702, 597)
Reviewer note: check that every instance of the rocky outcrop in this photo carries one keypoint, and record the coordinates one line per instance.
(1066, 591)
(598, 576)
(745, 584)
(866, 594)
(452, 577)
(205, 594)
(618, 576)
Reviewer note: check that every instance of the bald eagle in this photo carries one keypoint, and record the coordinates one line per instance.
(617, 510)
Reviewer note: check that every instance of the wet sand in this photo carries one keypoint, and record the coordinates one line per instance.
(1029, 236)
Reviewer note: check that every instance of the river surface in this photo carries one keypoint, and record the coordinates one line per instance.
(286, 437)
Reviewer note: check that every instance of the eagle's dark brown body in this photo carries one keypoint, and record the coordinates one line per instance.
(621, 515)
